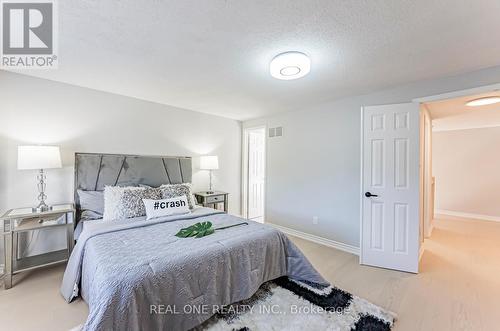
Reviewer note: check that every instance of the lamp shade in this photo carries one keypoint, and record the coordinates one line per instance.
(38, 157)
(209, 162)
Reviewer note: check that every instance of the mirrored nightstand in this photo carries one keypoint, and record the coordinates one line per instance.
(212, 199)
(16, 221)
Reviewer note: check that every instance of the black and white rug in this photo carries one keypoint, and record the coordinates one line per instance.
(285, 304)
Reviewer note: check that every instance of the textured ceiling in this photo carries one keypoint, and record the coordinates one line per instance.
(212, 56)
(453, 114)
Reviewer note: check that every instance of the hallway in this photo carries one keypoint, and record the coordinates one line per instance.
(457, 288)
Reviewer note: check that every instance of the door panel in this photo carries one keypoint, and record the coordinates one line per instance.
(401, 228)
(377, 166)
(401, 171)
(377, 225)
(390, 222)
(256, 173)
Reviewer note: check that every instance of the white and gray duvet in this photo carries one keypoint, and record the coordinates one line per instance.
(138, 275)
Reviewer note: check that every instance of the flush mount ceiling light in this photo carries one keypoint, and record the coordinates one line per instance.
(290, 65)
(483, 101)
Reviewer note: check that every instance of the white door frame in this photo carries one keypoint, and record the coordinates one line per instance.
(426, 171)
(439, 97)
(362, 182)
(436, 97)
(459, 93)
(244, 170)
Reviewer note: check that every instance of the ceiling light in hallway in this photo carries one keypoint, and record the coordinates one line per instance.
(483, 101)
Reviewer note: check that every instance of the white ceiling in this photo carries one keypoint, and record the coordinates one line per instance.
(453, 114)
(212, 56)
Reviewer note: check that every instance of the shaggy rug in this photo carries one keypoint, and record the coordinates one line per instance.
(285, 304)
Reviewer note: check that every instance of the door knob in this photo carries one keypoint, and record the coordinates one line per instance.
(368, 195)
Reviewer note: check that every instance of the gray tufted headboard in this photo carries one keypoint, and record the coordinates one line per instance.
(94, 171)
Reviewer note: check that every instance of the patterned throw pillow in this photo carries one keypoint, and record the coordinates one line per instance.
(169, 191)
(131, 200)
(126, 202)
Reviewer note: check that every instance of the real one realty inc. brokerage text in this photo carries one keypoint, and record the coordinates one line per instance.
(160, 309)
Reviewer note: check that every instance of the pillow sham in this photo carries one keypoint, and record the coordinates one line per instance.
(131, 201)
(91, 204)
(175, 190)
(166, 207)
(126, 202)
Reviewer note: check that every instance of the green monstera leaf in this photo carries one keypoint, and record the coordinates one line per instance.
(202, 229)
(197, 230)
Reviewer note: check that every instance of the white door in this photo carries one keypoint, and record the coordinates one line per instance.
(390, 201)
(256, 173)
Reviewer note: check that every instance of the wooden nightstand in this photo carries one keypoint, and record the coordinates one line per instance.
(212, 199)
(20, 220)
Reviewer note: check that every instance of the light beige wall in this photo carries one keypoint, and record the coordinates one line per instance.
(466, 164)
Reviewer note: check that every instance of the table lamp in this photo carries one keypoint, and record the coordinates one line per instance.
(40, 158)
(209, 162)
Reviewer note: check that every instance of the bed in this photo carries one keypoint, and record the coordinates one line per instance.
(137, 275)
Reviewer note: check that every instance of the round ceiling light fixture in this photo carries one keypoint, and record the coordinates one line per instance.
(483, 101)
(290, 65)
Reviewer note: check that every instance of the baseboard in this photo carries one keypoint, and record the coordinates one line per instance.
(468, 215)
(421, 251)
(318, 240)
(431, 228)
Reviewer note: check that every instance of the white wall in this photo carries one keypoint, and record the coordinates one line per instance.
(314, 169)
(466, 164)
(37, 111)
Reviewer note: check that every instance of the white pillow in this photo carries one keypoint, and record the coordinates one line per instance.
(166, 207)
(113, 209)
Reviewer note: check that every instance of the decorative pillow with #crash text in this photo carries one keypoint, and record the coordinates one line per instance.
(166, 207)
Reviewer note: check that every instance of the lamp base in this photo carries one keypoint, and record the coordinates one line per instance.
(42, 206)
(210, 192)
(41, 209)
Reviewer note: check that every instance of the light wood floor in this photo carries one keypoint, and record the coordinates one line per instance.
(458, 287)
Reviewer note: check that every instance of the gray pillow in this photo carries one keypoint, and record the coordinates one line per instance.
(91, 204)
(131, 200)
(126, 202)
(169, 191)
